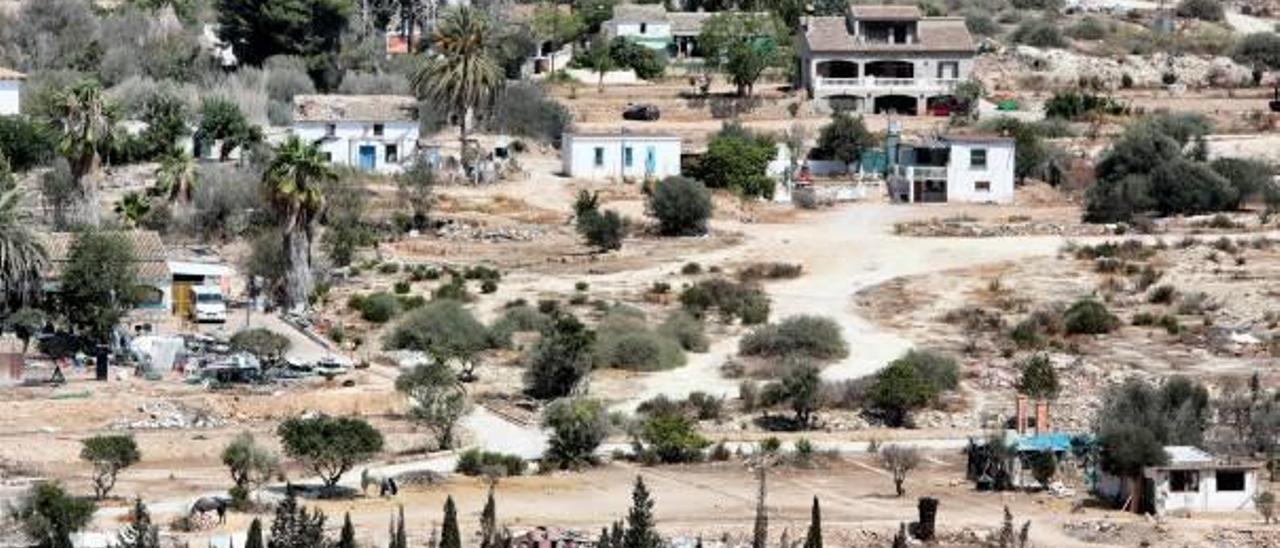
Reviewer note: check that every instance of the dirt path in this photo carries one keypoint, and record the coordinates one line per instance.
(843, 251)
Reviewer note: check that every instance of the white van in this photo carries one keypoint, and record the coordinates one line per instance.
(207, 304)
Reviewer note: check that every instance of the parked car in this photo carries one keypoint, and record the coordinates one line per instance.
(642, 113)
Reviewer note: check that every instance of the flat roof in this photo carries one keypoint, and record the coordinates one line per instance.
(884, 13)
(614, 135)
(189, 268)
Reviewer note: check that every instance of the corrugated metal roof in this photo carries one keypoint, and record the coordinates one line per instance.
(1186, 454)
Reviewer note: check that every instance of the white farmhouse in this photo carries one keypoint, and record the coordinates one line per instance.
(620, 156)
(10, 91)
(1191, 481)
(646, 24)
(376, 133)
(954, 168)
(885, 59)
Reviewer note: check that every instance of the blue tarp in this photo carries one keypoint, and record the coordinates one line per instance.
(1058, 442)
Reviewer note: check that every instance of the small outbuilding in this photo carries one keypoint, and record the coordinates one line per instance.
(1191, 481)
(620, 156)
(954, 168)
(10, 91)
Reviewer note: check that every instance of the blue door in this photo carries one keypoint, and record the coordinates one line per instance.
(368, 157)
(650, 162)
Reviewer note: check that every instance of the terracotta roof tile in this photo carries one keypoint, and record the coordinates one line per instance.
(937, 34)
(148, 249)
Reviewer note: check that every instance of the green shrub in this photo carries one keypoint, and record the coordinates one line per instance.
(379, 307)
(769, 271)
(355, 302)
(1039, 379)
(1204, 10)
(687, 330)
(981, 24)
(1144, 319)
(1089, 317)
(401, 288)
(1090, 28)
(705, 406)
(1162, 294)
(681, 205)
(455, 290)
(603, 230)
(627, 343)
(746, 302)
(481, 272)
(581, 286)
(669, 437)
(1040, 33)
(389, 268)
(939, 370)
(646, 62)
(810, 336)
(262, 343)
(691, 269)
(1258, 50)
(488, 286)
(474, 462)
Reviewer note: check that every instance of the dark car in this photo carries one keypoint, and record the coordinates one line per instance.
(643, 113)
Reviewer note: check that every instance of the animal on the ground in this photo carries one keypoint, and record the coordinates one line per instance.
(211, 504)
(386, 484)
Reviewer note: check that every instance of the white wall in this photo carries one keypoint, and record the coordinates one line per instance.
(348, 137)
(1208, 498)
(961, 177)
(655, 35)
(578, 155)
(613, 77)
(10, 96)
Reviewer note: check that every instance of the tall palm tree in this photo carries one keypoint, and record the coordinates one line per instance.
(463, 75)
(86, 122)
(176, 177)
(22, 255)
(293, 182)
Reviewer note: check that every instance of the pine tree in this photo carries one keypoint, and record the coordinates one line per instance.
(295, 526)
(760, 535)
(141, 533)
(814, 538)
(449, 535)
(489, 522)
(254, 538)
(640, 532)
(348, 538)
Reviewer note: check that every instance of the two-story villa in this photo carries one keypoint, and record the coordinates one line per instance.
(367, 132)
(885, 59)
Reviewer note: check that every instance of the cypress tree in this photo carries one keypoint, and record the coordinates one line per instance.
(254, 538)
(348, 538)
(640, 531)
(604, 539)
(401, 538)
(489, 522)
(760, 534)
(616, 534)
(449, 535)
(814, 538)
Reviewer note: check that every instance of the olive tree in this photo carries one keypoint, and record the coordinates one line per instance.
(249, 464)
(436, 399)
(109, 455)
(900, 460)
(578, 426)
(329, 446)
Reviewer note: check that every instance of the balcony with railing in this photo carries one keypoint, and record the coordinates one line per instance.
(921, 173)
(874, 83)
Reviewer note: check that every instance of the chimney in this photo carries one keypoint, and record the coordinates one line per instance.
(1042, 416)
(1021, 423)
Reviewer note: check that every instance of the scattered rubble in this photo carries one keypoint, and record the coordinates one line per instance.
(970, 228)
(1065, 68)
(167, 414)
(458, 231)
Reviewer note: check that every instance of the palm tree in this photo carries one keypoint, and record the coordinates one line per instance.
(292, 184)
(86, 123)
(176, 177)
(463, 75)
(22, 255)
(132, 207)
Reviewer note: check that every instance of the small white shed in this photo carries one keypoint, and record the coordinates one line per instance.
(1191, 481)
(10, 91)
(620, 156)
